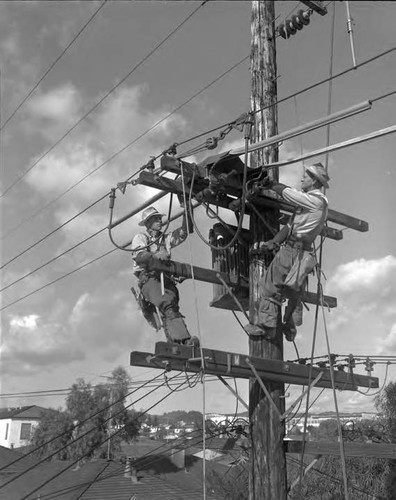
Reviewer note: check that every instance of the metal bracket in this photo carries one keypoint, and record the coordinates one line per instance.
(234, 392)
(266, 392)
(312, 385)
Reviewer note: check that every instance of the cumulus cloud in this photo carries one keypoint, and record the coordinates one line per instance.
(32, 342)
(366, 293)
(52, 111)
(366, 282)
(387, 345)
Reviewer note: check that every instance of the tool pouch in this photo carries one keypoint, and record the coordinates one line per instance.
(301, 268)
(148, 310)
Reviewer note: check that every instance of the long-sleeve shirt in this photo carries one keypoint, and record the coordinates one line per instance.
(311, 214)
(165, 242)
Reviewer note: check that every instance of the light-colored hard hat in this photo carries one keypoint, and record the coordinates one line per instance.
(318, 172)
(148, 213)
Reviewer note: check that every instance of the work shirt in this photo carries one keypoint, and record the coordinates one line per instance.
(165, 242)
(311, 215)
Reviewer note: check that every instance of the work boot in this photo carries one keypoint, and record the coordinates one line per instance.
(257, 331)
(193, 341)
(289, 330)
(175, 327)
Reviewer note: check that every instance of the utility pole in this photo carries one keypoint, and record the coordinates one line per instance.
(267, 479)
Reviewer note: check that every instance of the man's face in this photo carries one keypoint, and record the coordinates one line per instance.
(306, 182)
(154, 223)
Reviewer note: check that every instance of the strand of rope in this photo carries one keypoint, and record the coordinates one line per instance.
(328, 128)
(339, 427)
(104, 97)
(319, 264)
(186, 208)
(52, 65)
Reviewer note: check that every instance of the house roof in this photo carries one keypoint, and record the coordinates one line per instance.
(27, 412)
(13, 462)
(99, 480)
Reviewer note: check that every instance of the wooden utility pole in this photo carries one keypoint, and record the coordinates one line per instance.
(267, 479)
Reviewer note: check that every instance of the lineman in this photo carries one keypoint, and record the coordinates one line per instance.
(295, 259)
(159, 288)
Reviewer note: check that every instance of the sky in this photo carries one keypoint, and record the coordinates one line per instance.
(66, 141)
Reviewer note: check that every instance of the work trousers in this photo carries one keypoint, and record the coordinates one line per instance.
(168, 305)
(270, 289)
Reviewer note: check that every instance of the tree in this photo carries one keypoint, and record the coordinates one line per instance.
(93, 417)
(386, 404)
(53, 423)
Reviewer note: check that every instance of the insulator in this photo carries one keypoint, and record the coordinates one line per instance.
(297, 23)
(304, 16)
(333, 358)
(291, 29)
(351, 361)
(211, 143)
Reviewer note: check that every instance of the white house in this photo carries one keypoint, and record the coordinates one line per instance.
(17, 425)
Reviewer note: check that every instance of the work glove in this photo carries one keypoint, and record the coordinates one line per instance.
(270, 246)
(162, 255)
(267, 183)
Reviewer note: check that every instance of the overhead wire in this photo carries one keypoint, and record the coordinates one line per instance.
(140, 462)
(66, 391)
(75, 426)
(51, 67)
(279, 101)
(204, 133)
(150, 53)
(136, 139)
(90, 451)
(48, 284)
(14, 478)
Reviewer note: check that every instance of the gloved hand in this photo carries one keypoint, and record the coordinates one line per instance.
(162, 255)
(270, 246)
(267, 183)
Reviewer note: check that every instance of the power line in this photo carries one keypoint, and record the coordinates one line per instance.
(93, 448)
(27, 96)
(66, 391)
(59, 278)
(102, 99)
(53, 259)
(367, 61)
(54, 230)
(76, 439)
(73, 271)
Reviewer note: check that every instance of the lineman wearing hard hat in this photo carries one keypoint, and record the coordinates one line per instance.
(295, 258)
(160, 290)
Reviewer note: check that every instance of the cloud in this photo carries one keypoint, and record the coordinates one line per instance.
(51, 112)
(33, 342)
(387, 345)
(374, 276)
(366, 294)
